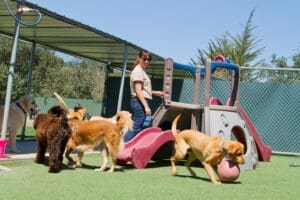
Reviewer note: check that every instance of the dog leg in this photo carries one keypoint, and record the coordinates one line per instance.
(40, 152)
(54, 162)
(113, 155)
(12, 143)
(210, 172)
(79, 158)
(113, 165)
(179, 155)
(190, 159)
(104, 154)
(67, 155)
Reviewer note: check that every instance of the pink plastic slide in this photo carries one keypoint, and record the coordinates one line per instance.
(141, 148)
(264, 151)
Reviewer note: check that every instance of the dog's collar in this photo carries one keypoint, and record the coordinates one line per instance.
(21, 108)
(224, 150)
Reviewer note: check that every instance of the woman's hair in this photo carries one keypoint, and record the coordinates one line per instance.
(142, 54)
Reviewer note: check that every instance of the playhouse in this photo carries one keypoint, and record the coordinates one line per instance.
(211, 117)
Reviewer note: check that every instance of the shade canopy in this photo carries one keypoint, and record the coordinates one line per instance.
(74, 38)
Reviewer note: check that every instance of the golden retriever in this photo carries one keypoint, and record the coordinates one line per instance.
(79, 112)
(112, 119)
(210, 150)
(109, 136)
(17, 114)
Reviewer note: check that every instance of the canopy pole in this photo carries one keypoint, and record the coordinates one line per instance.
(120, 99)
(12, 65)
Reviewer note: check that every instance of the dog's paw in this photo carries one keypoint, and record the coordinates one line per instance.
(99, 170)
(174, 172)
(111, 170)
(193, 174)
(217, 182)
(71, 165)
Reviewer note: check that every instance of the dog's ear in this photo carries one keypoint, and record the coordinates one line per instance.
(118, 117)
(235, 148)
(87, 116)
(76, 108)
(25, 101)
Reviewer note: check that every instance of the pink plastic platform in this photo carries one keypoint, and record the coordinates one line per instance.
(141, 148)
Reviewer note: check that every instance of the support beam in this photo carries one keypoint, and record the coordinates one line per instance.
(11, 73)
(120, 99)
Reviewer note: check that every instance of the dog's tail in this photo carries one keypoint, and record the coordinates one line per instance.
(61, 101)
(174, 125)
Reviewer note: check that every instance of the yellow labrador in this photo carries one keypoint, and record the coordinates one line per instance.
(209, 150)
(16, 118)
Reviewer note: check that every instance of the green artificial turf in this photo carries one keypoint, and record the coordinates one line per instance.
(28, 180)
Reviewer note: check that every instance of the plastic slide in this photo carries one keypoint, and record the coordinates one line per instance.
(141, 148)
(264, 152)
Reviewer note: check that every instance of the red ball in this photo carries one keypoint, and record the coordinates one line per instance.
(228, 171)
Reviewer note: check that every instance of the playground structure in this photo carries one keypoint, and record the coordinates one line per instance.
(229, 121)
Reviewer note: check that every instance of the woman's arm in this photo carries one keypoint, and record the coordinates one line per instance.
(158, 93)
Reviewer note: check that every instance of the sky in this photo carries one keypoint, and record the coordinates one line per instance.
(177, 29)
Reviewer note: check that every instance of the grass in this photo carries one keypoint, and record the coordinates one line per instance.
(28, 180)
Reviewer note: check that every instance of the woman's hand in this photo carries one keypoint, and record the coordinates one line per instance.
(147, 110)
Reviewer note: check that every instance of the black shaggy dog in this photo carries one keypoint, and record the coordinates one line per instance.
(52, 133)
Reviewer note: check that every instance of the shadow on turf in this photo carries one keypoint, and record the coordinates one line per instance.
(205, 179)
(83, 166)
(162, 163)
(166, 163)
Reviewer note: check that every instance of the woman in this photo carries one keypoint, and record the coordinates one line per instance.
(141, 93)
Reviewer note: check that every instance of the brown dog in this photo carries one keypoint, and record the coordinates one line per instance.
(52, 132)
(17, 114)
(210, 150)
(87, 134)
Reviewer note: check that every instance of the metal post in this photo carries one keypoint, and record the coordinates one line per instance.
(12, 65)
(195, 117)
(28, 88)
(30, 69)
(104, 101)
(123, 78)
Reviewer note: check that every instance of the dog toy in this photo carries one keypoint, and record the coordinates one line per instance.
(228, 170)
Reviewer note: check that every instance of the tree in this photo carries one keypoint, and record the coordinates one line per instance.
(285, 75)
(240, 49)
(20, 75)
(80, 78)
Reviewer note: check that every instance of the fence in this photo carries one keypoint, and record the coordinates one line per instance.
(93, 108)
